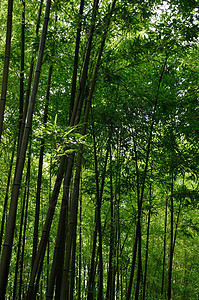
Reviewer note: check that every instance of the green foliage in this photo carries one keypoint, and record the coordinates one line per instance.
(137, 110)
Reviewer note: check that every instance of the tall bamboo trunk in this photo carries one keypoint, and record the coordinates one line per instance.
(7, 250)
(76, 59)
(98, 214)
(28, 88)
(177, 224)
(15, 296)
(6, 65)
(46, 228)
(21, 94)
(21, 285)
(6, 195)
(73, 269)
(117, 200)
(139, 271)
(164, 249)
(56, 268)
(39, 177)
(72, 226)
(111, 272)
(171, 242)
(147, 244)
(97, 221)
(128, 294)
(80, 248)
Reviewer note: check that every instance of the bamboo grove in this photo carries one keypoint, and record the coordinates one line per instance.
(99, 152)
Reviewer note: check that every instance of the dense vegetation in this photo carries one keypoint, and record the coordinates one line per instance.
(99, 152)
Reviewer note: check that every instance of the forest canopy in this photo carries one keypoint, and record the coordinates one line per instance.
(99, 149)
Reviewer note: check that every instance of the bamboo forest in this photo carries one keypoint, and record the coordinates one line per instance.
(99, 149)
